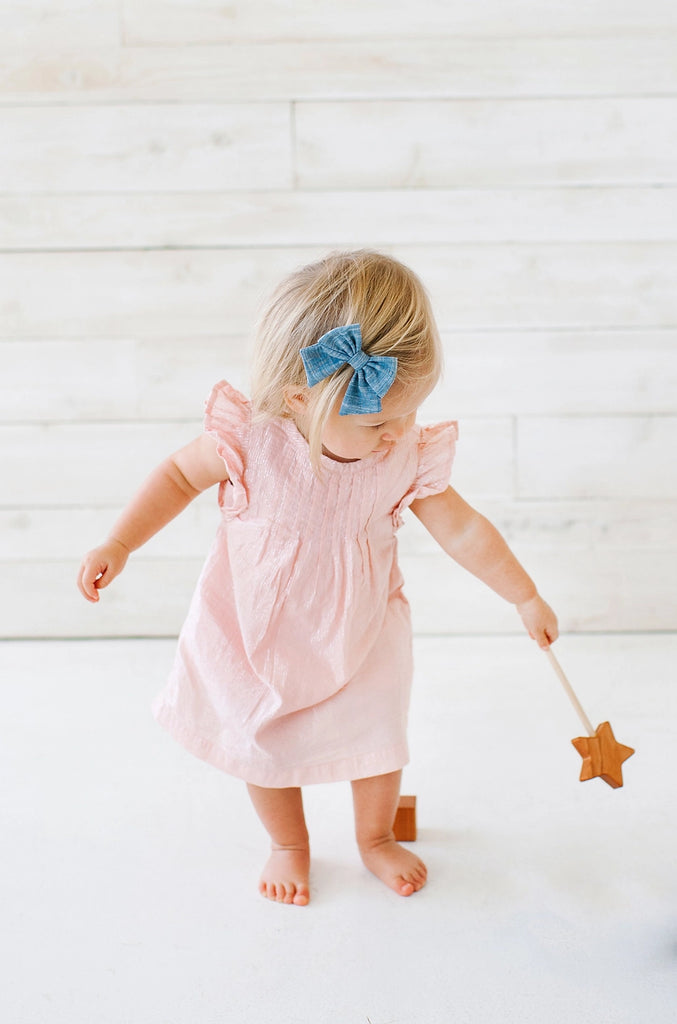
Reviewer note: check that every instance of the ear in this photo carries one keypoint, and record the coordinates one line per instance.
(296, 399)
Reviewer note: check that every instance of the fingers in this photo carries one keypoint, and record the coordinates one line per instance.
(551, 630)
(98, 569)
(90, 576)
(540, 622)
(545, 635)
(551, 634)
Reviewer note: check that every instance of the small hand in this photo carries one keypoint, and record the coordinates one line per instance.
(539, 620)
(100, 567)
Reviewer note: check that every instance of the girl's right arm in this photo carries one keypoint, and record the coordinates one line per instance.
(166, 492)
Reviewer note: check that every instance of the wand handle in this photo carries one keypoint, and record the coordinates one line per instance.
(569, 692)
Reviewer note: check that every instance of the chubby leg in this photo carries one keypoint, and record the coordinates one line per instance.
(285, 876)
(375, 801)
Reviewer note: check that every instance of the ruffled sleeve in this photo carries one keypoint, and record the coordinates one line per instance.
(436, 450)
(228, 420)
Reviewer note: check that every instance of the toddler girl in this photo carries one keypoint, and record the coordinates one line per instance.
(294, 663)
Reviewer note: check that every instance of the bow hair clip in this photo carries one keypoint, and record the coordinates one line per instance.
(373, 376)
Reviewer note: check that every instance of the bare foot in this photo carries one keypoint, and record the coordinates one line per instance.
(400, 869)
(285, 877)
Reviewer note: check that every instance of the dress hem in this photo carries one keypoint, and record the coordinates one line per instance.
(381, 762)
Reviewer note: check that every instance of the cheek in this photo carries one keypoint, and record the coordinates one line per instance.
(338, 438)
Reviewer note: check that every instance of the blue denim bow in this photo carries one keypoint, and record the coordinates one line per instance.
(373, 377)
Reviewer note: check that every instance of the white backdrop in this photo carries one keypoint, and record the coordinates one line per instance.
(164, 162)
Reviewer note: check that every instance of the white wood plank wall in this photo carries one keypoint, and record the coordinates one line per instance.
(164, 162)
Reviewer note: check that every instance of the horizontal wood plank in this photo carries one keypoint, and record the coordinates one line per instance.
(90, 464)
(159, 147)
(94, 464)
(566, 286)
(615, 457)
(49, 24)
(557, 373)
(107, 294)
(506, 373)
(64, 534)
(145, 293)
(150, 220)
(146, 379)
(449, 67)
(42, 599)
(176, 22)
(486, 143)
(595, 590)
(562, 526)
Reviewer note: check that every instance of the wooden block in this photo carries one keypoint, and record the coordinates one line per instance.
(405, 820)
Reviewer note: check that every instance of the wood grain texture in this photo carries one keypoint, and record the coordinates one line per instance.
(449, 67)
(603, 756)
(618, 457)
(49, 24)
(473, 287)
(349, 218)
(568, 528)
(486, 143)
(178, 22)
(569, 374)
(102, 463)
(632, 589)
(167, 148)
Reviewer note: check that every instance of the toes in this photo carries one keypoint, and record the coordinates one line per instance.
(413, 881)
(285, 892)
(302, 897)
(285, 877)
(418, 876)
(272, 891)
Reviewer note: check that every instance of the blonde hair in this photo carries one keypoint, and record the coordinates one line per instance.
(379, 293)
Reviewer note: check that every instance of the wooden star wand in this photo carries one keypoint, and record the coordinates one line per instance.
(602, 754)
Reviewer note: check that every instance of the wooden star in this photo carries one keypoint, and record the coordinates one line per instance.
(602, 756)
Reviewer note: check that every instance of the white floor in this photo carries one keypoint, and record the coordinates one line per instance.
(129, 875)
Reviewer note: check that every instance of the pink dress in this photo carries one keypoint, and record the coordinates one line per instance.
(294, 664)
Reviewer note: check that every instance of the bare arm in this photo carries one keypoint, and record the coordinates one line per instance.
(472, 541)
(165, 493)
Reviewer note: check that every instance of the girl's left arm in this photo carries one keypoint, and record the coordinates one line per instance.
(472, 541)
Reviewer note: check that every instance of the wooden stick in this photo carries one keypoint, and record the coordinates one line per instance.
(570, 693)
